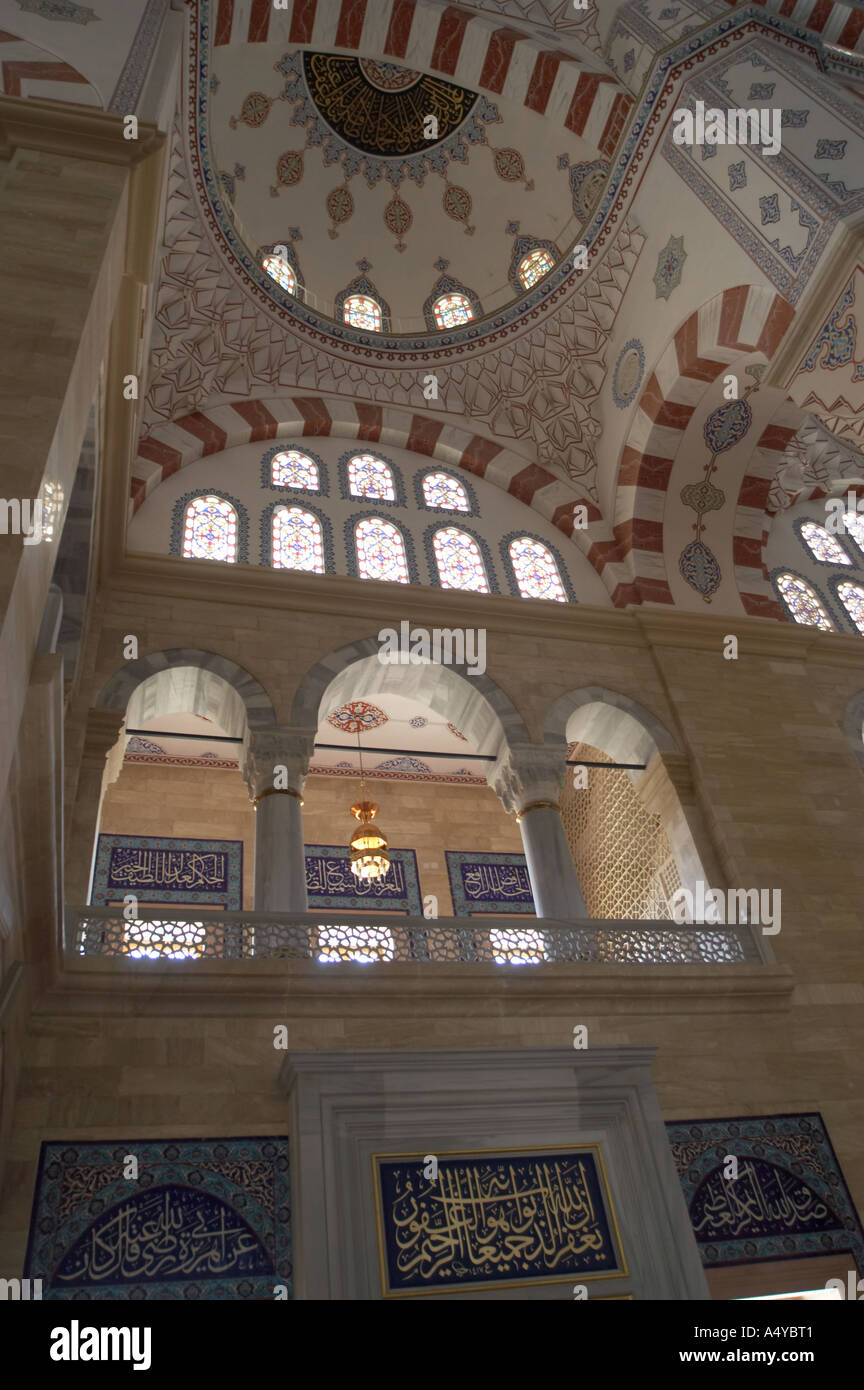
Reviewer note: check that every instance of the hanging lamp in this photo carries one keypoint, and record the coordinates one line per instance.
(368, 844)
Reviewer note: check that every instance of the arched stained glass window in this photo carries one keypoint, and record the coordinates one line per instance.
(297, 540)
(293, 469)
(854, 524)
(460, 564)
(369, 476)
(362, 311)
(852, 598)
(802, 602)
(451, 310)
(535, 570)
(210, 530)
(823, 545)
(380, 550)
(534, 266)
(445, 493)
(281, 272)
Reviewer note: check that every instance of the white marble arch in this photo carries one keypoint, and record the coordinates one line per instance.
(612, 722)
(475, 704)
(188, 680)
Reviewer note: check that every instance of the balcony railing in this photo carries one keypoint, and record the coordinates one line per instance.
(333, 938)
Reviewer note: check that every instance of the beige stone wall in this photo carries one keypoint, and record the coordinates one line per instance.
(202, 803)
(783, 801)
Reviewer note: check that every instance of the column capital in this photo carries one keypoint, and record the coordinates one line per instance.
(267, 751)
(528, 773)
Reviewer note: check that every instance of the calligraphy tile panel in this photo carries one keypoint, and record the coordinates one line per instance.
(484, 1220)
(790, 1197)
(330, 882)
(489, 883)
(199, 873)
(204, 1219)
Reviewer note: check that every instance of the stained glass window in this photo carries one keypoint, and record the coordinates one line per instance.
(451, 310)
(517, 946)
(380, 550)
(361, 311)
(802, 602)
(297, 540)
(822, 545)
(293, 469)
(210, 530)
(281, 272)
(534, 266)
(852, 598)
(370, 477)
(854, 524)
(460, 565)
(445, 493)
(536, 571)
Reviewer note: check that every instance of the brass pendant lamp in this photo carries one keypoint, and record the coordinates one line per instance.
(368, 844)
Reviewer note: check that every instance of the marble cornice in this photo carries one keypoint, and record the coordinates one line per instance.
(300, 989)
(374, 605)
(80, 132)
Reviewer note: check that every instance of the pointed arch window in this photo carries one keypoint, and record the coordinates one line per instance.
(370, 477)
(292, 468)
(279, 270)
(298, 543)
(210, 530)
(822, 545)
(852, 598)
(534, 266)
(452, 310)
(460, 564)
(362, 311)
(854, 524)
(380, 550)
(536, 570)
(445, 493)
(802, 602)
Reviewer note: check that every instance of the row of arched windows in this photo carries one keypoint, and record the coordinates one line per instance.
(801, 600)
(297, 543)
(368, 478)
(449, 310)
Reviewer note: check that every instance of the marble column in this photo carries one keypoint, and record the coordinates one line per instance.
(101, 761)
(275, 766)
(528, 779)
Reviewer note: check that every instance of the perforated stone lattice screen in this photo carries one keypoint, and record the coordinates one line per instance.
(622, 854)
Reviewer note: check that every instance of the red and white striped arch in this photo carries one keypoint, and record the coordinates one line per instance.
(460, 44)
(837, 23)
(26, 70)
(746, 318)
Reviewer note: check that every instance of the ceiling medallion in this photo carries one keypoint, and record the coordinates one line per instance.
(397, 219)
(510, 166)
(340, 206)
(357, 716)
(383, 119)
(289, 171)
(457, 204)
(254, 111)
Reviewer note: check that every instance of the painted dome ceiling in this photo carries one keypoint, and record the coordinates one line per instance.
(385, 180)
